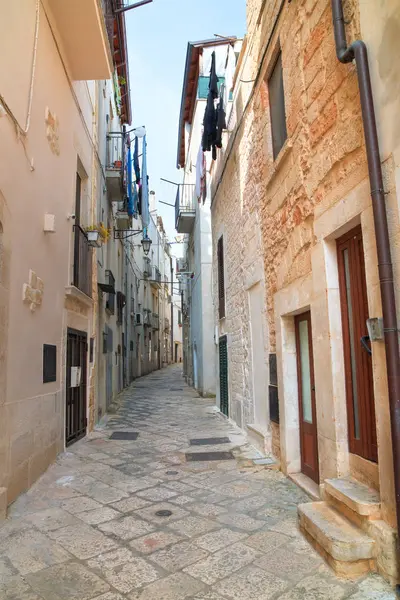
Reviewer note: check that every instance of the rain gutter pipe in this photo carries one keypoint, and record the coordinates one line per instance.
(358, 51)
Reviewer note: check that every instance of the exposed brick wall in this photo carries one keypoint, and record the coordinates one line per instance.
(323, 159)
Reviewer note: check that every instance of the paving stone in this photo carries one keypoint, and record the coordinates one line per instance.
(155, 541)
(265, 541)
(112, 559)
(251, 584)
(82, 540)
(130, 504)
(193, 526)
(110, 596)
(174, 587)
(207, 596)
(216, 540)
(316, 587)
(157, 494)
(208, 510)
(241, 521)
(30, 551)
(239, 539)
(178, 486)
(99, 490)
(182, 500)
(149, 513)
(99, 515)
(73, 582)
(133, 574)
(51, 519)
(17, 589)
(80, 504)
(178, 556)
(222, 564)
(283, 562)
(7, 570)
(127, 528)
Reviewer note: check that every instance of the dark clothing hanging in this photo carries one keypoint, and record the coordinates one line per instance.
(136, 161)
(221, 119)
(210, 116)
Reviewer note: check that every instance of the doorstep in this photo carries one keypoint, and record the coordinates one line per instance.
(306, 484)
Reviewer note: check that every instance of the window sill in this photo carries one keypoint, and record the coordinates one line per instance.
(73, 292)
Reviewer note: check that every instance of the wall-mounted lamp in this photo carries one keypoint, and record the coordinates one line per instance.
(146, 245)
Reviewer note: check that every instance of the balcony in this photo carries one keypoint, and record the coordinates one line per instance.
(147, 317)
(146, 267)
(115, 166)
(156, 277)
(185, 208)
(122, 219)
(155, 321)
(82, 278)
(81, 25)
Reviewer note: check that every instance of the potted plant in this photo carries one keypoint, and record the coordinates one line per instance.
(97, 235)
(118, 164)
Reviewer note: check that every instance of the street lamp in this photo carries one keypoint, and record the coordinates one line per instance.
(146, 244)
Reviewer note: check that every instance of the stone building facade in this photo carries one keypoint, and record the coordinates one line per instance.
(294, 168)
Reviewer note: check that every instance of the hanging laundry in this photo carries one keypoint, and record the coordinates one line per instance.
(221, 118)
(129, 180)
(145, 188)
(210, 115)
(135, 198)
(136, 160)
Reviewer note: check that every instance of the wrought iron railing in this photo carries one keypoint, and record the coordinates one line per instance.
(82, 262)
(185, 200)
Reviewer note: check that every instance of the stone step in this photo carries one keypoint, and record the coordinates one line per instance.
(355, 500)
(349, 551)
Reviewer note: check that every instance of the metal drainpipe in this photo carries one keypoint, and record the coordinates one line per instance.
(358, 52)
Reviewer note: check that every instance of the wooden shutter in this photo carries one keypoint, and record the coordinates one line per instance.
(221, 281)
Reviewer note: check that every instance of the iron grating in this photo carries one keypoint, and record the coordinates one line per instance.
(209, 441)
(124, 435)
(206, 456)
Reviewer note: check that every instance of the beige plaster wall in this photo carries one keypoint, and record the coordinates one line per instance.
(37, 176)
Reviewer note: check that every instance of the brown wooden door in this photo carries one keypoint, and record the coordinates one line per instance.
(357, 358)
(307, 408)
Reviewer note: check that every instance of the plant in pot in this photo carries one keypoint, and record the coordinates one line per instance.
(97, 235)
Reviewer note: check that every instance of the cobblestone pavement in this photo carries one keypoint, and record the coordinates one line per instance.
(91, 528)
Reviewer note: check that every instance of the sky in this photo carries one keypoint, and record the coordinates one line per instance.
(158, 34)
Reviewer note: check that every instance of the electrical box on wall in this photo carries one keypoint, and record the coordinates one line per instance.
(49, 223)
(375, 329)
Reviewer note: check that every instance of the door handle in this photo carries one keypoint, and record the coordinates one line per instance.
(364, 344)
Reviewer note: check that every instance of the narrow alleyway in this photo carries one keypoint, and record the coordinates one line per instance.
(139, 518)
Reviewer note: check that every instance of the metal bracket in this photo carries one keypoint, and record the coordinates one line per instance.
(123, 234)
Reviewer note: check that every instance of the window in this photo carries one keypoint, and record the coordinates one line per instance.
(121, 302)
(179, 317)
(221, 281)
(49, 363)
(277, 107)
